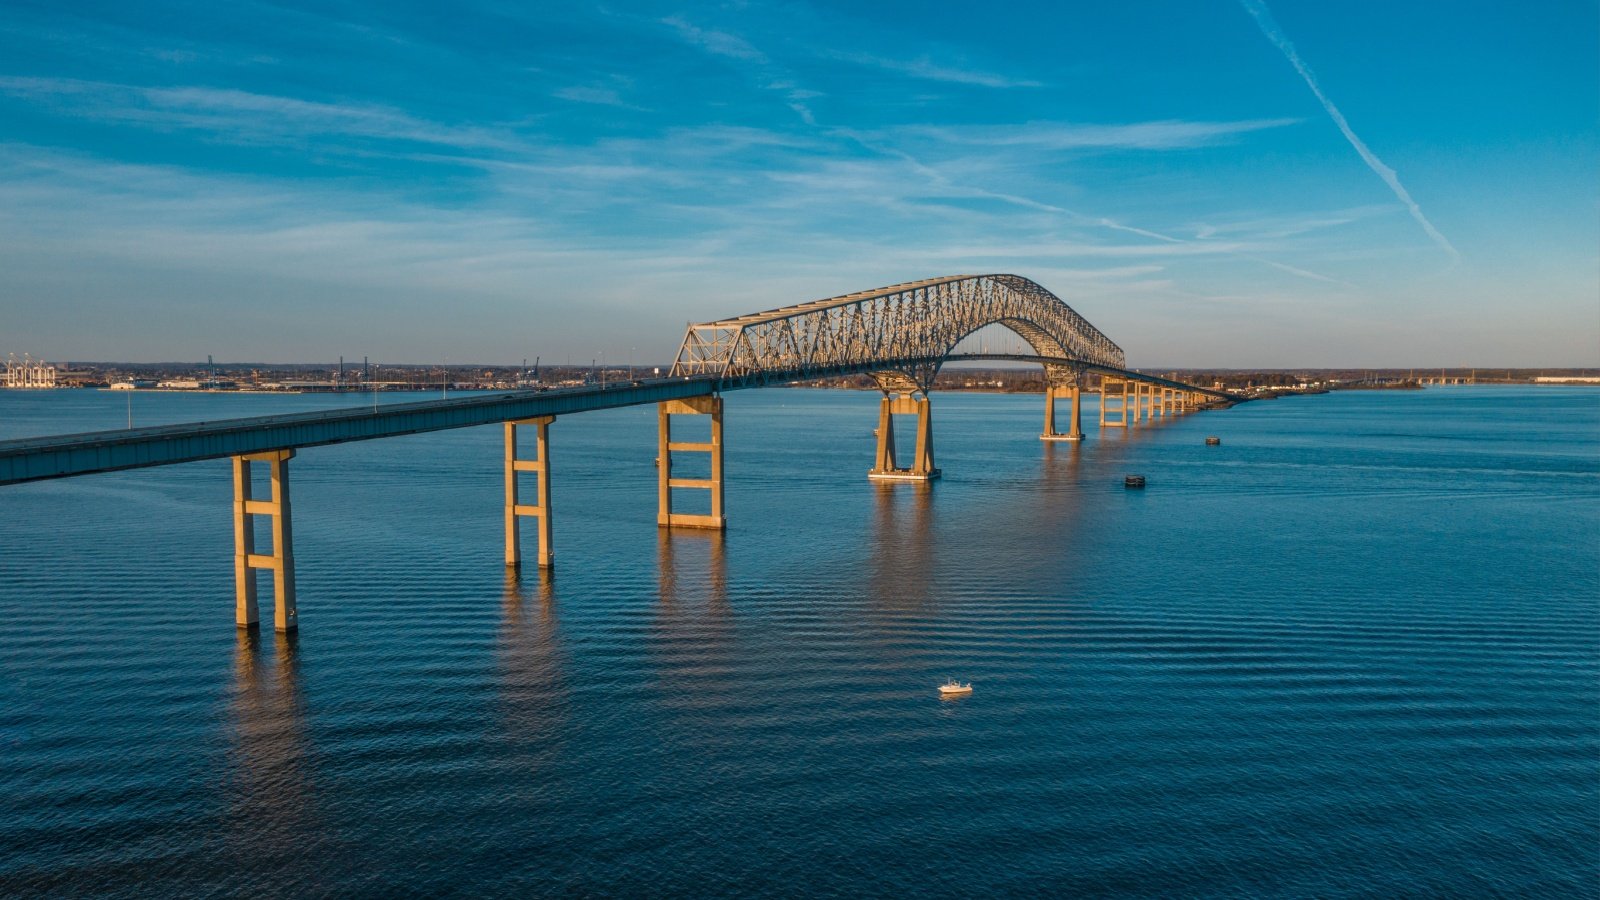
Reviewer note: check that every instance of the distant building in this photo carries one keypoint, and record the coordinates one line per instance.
(197, 384)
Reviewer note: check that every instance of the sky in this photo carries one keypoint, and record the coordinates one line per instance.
(1227, 183)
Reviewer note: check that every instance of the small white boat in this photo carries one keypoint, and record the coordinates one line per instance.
(954, 688)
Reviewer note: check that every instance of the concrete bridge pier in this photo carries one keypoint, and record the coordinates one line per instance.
(665, 517)
(540, 510)
(1062, 382)
(1134, 401)
(245, 558)
(1113, 389)
(887, 468)
(1075, 426)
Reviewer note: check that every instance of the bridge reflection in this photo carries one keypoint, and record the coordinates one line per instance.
(273, 821)
(534, 694)
(692, 566)
(900, 569)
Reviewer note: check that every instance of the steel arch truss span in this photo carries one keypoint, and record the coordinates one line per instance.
(902, 333)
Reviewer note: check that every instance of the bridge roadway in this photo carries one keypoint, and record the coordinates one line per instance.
(61, 456)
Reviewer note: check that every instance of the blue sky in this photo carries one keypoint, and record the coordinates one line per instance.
(1217, 183)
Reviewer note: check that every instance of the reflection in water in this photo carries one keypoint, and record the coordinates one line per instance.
(1063, 462)
(708, 579)
(903, 553)
(693, 644)
(273, 819)
(534, 695)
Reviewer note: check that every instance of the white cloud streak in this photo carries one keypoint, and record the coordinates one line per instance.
(771, 76)
(1269, 27)
(929, 70)
(1163, 134)
(240, 115)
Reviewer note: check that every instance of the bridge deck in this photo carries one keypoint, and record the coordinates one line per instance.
(31, 459)
(60, 456)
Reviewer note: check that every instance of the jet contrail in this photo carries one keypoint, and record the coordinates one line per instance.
(1269, 27)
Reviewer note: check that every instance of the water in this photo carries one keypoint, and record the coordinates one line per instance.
(1350, 652)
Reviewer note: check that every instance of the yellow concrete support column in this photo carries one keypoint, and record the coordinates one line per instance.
(1075, 428)
(245, 558)
(246, 612)
(540, 510)
(922, 467)
(285, 616)
(665, 517)
(885, 461)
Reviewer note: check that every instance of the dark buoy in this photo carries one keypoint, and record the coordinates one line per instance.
(1213, 441)
(1133, 481)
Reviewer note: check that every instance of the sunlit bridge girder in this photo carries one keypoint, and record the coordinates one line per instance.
(911, 327)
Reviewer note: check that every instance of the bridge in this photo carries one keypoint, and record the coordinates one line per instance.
(899, 335)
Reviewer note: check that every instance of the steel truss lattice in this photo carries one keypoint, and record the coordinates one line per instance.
(901, 334)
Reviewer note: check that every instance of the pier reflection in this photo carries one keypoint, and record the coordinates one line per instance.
(901, 565)
(534, 693)
(693, 648)
(692, 569)
(272, 816)
(1062, 465)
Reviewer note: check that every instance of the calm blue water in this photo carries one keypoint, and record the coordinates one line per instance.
(1353, 651)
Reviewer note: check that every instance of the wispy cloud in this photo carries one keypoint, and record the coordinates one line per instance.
(769, 75)
(1269, 27)
(600, 96)
(927, 69)
(1166, 134)
(242, 115)
(718, 43)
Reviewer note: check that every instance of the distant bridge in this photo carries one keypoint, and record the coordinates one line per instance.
(899, 335)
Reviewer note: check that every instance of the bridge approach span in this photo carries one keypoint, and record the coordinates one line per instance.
(64, 456)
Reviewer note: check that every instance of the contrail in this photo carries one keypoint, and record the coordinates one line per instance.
(1270, 28)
